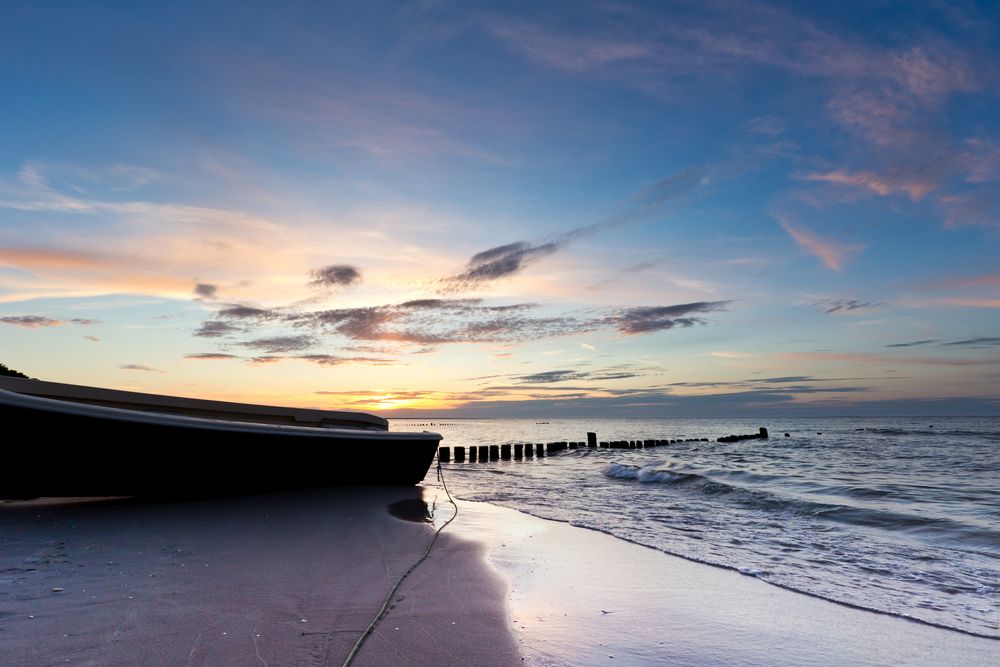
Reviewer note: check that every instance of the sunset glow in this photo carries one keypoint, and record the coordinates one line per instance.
(422, 209)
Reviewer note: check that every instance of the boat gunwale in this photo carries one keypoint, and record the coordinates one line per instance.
(27, 401)
(184, 406)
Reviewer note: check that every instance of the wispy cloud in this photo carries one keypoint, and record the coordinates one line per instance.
(440, 321)
(431, 322)
(862, 358)
(281, 344)
(876, 85)
(915, 343)
(267, 359)
(158, 247)
(216, 329)
(242, 312)
(140, 367)
(963, 282)
(646, 204)
(31, 321)
(571, 53)
(883, 184)
(545, 377)
(976, 207)
(982, 158)
(50, 258)
(661, 318)
(832, 254)
(595, 378)
(499, 262)
(961, 302)
(970, 291)
(38, 321)
(324, 360)
(211, 356)
(844, 306)
(982, 342)
(336, 113)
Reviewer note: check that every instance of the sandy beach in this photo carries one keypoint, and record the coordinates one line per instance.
(284, 579)
(294, 578)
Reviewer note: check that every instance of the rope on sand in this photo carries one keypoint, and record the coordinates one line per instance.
(392, 591)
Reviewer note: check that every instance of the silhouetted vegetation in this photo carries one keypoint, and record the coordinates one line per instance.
(10, 372)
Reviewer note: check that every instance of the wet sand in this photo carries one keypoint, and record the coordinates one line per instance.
(283, 579)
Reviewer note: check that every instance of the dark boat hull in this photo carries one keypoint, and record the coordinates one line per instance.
(70, 450)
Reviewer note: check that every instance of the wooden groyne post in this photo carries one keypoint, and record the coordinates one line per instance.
(522, 451)
(760, 435)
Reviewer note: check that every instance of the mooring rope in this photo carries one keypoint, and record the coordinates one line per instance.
(392, 591)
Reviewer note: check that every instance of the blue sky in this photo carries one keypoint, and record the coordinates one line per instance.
(579, 208)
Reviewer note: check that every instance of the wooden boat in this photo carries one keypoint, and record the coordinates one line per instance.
(69, 440)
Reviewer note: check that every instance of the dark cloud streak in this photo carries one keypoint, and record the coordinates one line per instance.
(830, 306)
(139, 367)
(432, 322)
(38, 321)
(335, 275)
(645, 205)
(647, 319)
(241, 312)
(975, 342)
(206, 290)
(216, 329)
(281, 344)
(914, 343)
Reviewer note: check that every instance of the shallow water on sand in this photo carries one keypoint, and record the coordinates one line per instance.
(889, 514)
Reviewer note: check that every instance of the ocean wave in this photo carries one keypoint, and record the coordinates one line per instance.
(940, 432)
(772, 503)
(647, 474)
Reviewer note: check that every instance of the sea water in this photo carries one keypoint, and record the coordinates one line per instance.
(896, 515)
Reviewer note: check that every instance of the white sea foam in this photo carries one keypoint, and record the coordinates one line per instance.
(619, 471)
(646, 474)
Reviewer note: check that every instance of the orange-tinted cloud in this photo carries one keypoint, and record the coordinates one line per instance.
(883, 185)
(37, 321)
(984, 280)
(48, 258)
(65, 273)
(833, 255)
(969, 302)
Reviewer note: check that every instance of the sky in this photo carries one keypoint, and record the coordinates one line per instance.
(507, 209)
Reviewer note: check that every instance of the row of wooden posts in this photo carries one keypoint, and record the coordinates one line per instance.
(531, 450)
